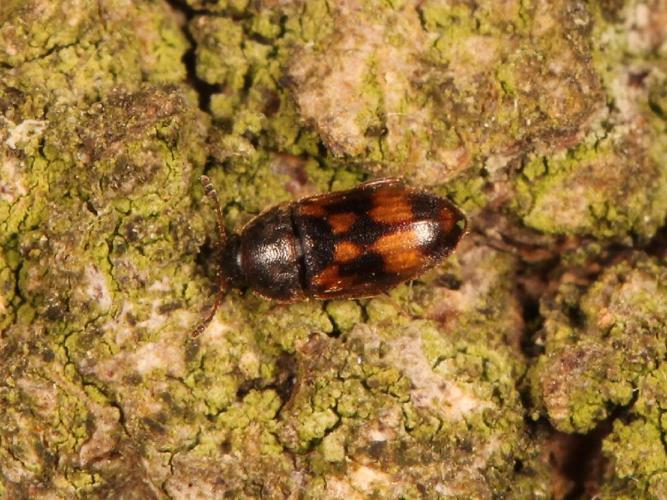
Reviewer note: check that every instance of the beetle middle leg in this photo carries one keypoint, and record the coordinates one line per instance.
(213, 196)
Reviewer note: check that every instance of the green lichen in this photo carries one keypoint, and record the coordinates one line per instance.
(448, 75)
(638, 455)
(606, 187)
(403, 404)
(611, 183)
(636, 448)
(233, 6)
(600, 343)
(604, 350)
(88, 182)
(245, 59)
(54, 54)
(344, 314)
(220, 59)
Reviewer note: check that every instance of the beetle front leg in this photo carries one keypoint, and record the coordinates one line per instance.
(222, 235)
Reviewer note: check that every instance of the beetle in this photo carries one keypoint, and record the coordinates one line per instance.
(344, 244)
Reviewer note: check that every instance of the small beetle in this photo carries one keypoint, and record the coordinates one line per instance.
(354, 243)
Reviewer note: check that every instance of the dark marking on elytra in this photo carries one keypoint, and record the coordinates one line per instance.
(356, 203)
(366, 267)
(317, 244)
(424, 205)
(365, 231)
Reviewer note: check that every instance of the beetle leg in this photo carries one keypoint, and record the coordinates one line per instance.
(222, 236)
(398, 306)
(213, 196)
(204, 323)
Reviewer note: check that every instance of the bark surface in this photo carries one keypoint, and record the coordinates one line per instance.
(530, 364)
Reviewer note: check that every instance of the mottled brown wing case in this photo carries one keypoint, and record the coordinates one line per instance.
(362, 241)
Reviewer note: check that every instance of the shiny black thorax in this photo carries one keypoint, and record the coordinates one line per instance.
(266, 256)
(351, 243)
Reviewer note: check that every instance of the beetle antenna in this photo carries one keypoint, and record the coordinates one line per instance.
(222, 236)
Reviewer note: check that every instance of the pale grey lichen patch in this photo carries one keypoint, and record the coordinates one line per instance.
(355, 53)
(104, 438)
(436, 87)
(612, 182)
(97, 288)
(11, 183)
(24, 132)
(429, 388)
(164, 356)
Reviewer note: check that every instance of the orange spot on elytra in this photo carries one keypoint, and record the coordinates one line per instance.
(400, 252)
(328, 278)
(405, 262)
(346, 251)
(396, 242)
(313, 209)
(341, 223)
(391, 206)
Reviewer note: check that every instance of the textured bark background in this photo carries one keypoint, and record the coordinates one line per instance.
(531, 364)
